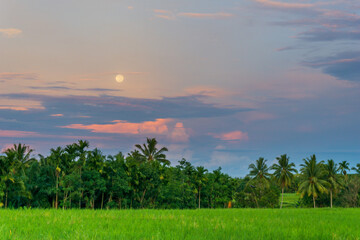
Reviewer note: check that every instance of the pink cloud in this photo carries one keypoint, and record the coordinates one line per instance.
(10, 32)
(14, 108)
(159, 126)
(275, 4)
(164, 14)
(165, 127)
(17, 134)
(232, 136)
(179, 133)
(57, 115)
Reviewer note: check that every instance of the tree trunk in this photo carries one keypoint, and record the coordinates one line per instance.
(102, 201)
(70, 200)
(314, 201)
(81, 190)
(282, 197)
(142, 198)
(199, 196)
(331, 198)
(109, 201)
(57, 194)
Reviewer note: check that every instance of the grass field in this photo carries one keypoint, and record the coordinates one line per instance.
(181, 224)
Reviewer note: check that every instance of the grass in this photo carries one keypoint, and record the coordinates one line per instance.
(181, 224)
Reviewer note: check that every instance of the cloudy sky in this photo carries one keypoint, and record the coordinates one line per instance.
(220, 83)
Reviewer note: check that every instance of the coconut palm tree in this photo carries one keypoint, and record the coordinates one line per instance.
(259, 171)
(56, 158)
(313, 182)
(81, 147)
(333, 178)
(357, 168)
(343, 166)
(8, 170)
(22, 155)
(200, 180)
(283, 173)
(150, 152)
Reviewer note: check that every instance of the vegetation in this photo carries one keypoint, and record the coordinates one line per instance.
(75, 176)
(181, 224)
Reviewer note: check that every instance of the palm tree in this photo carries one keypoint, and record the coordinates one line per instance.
(150, 152)
(81, 151)
(200, 179)
(259, 170)
(357, 168)
(56, 156)
(313, 182)
(96, 161)
(331, 172)
(7, 170)
(22, 154)
(283, 173)
(343, 166)
(259, 174)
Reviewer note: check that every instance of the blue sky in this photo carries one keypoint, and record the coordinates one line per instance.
(220, 83)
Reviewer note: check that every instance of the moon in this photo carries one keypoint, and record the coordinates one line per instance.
(119, 78)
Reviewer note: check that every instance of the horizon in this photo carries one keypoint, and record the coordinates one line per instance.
(218, 83)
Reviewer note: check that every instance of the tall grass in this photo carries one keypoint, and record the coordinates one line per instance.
(181, 224)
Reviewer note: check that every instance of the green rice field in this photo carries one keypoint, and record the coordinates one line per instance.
(181, 224)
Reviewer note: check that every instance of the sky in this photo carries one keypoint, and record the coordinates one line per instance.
(220, 83)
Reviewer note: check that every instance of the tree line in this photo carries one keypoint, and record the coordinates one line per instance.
(75, 176)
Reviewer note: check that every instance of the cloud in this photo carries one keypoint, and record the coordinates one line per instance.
(76, 89)
(285, 49)
(164, 14)
(218, 15)
(14, 108)
(323, 34)
(207, 91)
(176, 133)
(7, 76)
(16, 134)
(343, 66)
(19, 104)
(325, 22)
(57, 115)
(159, 126)
(127, 109)
(170, 15)
(179, 133)
(285, 5)
(232, 136)
(10, 32)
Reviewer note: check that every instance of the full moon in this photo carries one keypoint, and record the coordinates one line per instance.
(119, 78)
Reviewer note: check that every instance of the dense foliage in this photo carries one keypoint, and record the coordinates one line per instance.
(77, 177)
